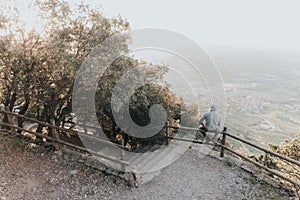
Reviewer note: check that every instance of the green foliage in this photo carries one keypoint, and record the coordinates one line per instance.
(290, 149)
(140, 102)
(38, 68)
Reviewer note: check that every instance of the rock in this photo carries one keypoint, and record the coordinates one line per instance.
(85, 189)
(59, 153)
(73, 172)
(54, 180)
(95, 190)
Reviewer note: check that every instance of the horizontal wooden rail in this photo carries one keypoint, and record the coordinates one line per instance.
(264, 149)
(39, 122)
(276, 173)
(67, 144)
(182, 127)
(189, 128)
(224, 147)
(56, 127)
(44, 123)
(184, 140)
(188, 140)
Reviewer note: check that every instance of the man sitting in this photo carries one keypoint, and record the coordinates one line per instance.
(210, 121)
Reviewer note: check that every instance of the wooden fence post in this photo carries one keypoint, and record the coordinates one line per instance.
(265, 159)
(9, 120)
(167, 132)
(123, 167)
(55, 134)
(223, 141)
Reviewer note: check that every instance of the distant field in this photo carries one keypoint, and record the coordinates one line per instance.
(264, 107)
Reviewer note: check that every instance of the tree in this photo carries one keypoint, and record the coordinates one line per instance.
(289, 148)
(38, 69)
(140, 102)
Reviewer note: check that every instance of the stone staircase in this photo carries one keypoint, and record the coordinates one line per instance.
(144, 165)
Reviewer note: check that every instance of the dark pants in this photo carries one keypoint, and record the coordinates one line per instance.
(201, 133)
(203, 130)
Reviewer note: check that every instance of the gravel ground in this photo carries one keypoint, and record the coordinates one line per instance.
(35, 173)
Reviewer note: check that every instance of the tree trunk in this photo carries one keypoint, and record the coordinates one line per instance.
(43, 119)
(23, 111)
(9, 105)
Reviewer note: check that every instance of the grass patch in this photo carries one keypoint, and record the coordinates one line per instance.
(16, 142)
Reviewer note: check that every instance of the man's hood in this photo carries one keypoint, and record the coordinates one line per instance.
(213, 107)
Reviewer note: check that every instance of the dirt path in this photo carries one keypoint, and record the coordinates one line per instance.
(35, 173)
(192, 177)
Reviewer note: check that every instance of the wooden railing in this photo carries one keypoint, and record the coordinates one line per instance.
(274, 172)
(223, 147)
(221, 144)
(57, 140)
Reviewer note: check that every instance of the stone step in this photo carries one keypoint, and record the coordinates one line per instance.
(155, 159)
(174, 150)
(148, 157)
(138, 158)
(133, 157)
(171, 157)
(96, 143)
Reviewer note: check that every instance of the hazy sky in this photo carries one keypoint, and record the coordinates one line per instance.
(267, 24)
(263, 24)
